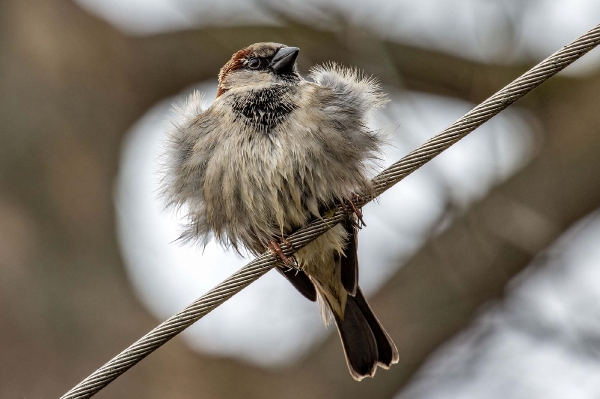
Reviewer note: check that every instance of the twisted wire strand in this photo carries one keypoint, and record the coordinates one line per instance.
(386, 179)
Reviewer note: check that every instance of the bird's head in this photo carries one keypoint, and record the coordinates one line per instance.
(259, 65)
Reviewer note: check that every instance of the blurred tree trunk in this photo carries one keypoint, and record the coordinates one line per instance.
(71, 86)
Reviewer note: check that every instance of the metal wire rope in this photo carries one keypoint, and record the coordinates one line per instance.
(386, 179)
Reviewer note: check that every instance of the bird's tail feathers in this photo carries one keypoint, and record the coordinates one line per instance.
(366, 344)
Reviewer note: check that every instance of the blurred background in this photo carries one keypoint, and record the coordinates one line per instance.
(484, 265)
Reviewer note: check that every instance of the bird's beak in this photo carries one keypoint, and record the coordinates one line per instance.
(284, 60)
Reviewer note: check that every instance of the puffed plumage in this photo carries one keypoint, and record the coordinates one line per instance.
(271, 153)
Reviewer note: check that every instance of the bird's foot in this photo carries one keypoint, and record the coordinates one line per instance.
(286, 242)
(351, 209)
(275, 248)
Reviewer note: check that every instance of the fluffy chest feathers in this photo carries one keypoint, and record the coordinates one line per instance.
(276, 162)
(260, 163)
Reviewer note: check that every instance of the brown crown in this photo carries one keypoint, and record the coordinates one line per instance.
(236, 62)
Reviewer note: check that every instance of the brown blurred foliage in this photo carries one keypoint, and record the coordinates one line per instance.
(70, 87)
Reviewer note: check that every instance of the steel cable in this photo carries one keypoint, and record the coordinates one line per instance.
(386, 179)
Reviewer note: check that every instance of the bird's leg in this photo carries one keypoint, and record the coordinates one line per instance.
(354, 210)
(294, 261)
(275, 248)
(350, 210)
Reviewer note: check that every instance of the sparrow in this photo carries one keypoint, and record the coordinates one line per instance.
(273, 152)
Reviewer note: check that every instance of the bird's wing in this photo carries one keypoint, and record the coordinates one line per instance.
(355, 91)
(349, 262)
(300, 280)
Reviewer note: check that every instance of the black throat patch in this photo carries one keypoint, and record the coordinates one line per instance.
(264, 109)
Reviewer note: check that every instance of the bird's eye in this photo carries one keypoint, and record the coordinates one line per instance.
(253, 63)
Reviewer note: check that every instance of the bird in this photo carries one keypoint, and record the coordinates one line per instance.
(271, 153)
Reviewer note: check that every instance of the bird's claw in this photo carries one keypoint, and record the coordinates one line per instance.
(351, 209)
(275, 248)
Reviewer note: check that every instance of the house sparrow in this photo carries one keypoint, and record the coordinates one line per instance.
(271, 153)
